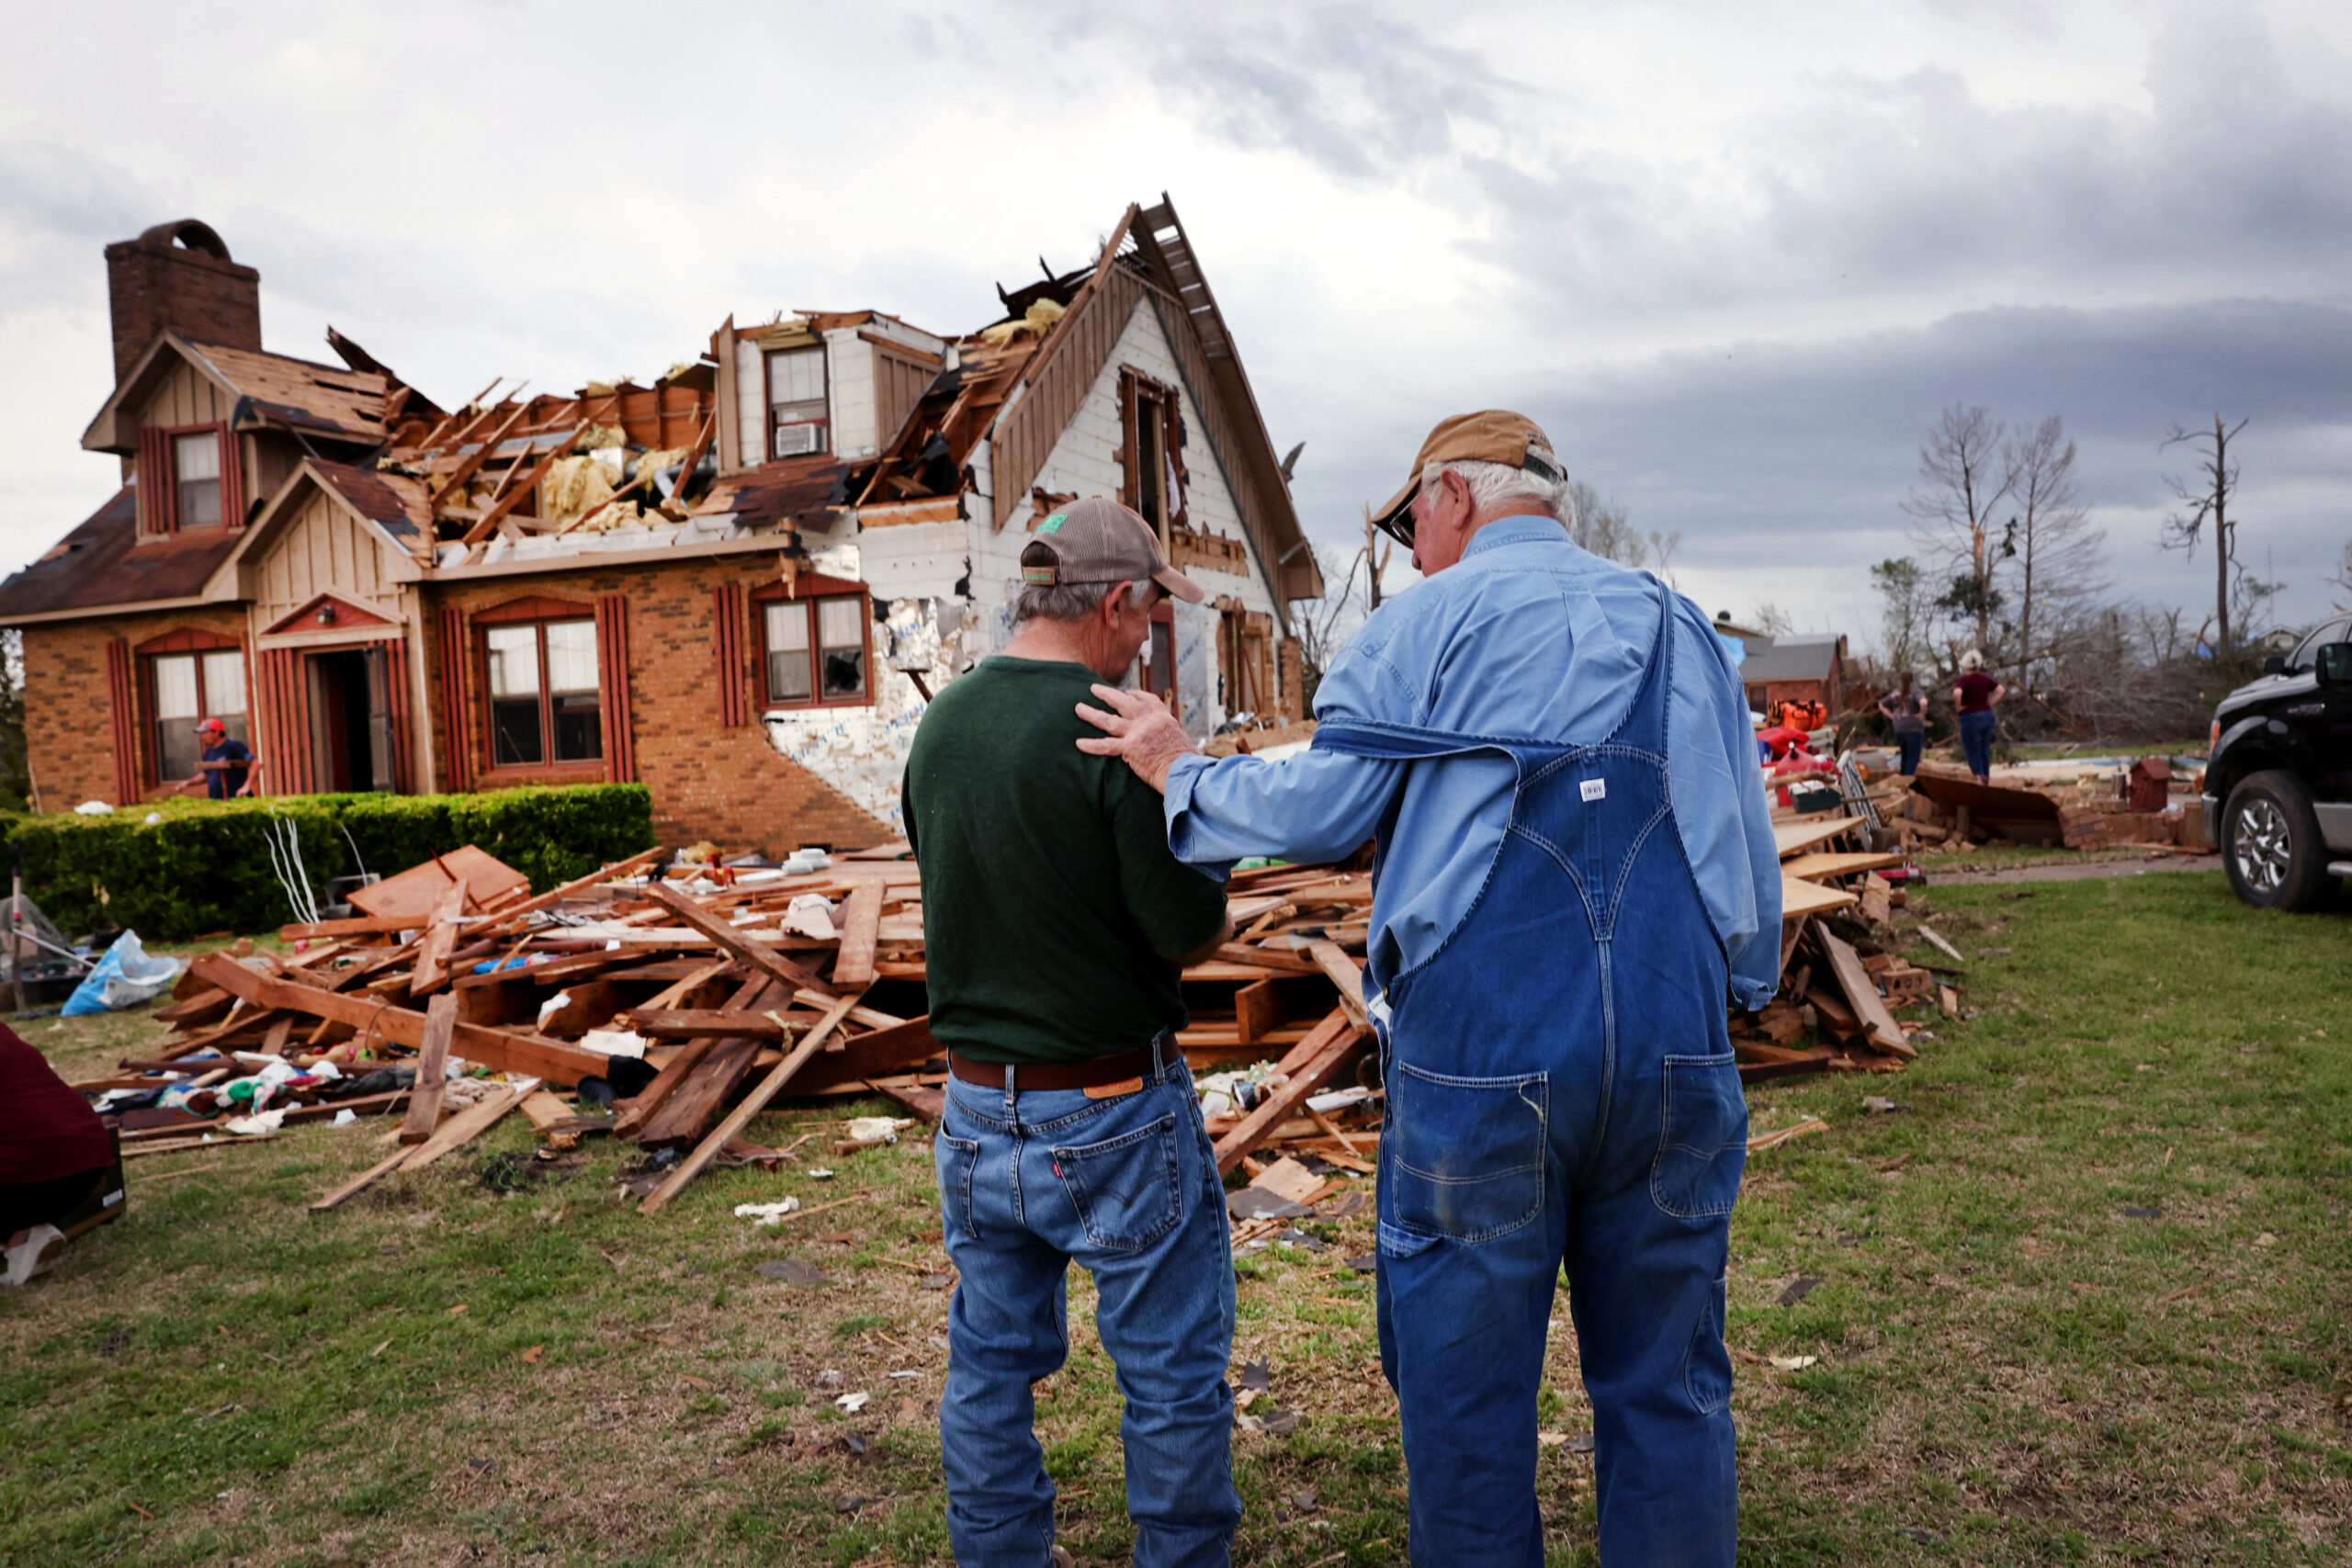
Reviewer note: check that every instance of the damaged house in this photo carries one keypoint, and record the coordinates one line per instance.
(738, 584)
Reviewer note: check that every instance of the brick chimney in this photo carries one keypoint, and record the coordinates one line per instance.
(177, 277)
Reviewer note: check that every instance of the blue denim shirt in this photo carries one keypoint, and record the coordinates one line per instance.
(1530, 636)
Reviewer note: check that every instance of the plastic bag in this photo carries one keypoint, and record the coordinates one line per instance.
(125, 978)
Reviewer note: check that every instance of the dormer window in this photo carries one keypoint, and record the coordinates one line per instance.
(796, 422)
(196, 475)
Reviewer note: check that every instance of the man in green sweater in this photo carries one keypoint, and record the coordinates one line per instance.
(1056, 924)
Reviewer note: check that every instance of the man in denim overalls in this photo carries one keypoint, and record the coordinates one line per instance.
(1576, 870)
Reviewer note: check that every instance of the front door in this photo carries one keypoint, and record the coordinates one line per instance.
(351, 720)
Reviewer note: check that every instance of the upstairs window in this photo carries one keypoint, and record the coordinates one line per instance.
(189, 687)
(543, 692)
(818, 651)
(1152, 458)
(796, 402)
(196, 477)
(1156, 664)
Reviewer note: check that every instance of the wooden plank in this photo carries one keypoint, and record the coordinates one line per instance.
(511, 920)
(1794, 838)
(1819, 866)
(365, 1178)
(414, 893)
(1257, 1008)
(1347, 977)
(633, 1113)
(682, 986)
(1308, 1064)
(440, 940)
(880, 1054)
(1799, 899)
(697, 1023)
(861, 932)
(432, 1070)
(767, 1090)
(687, 1114)
(545, 1110)
(500, 1049)
(1879, 1027)
(1266, 958)
(760, 956)
(469, 1123)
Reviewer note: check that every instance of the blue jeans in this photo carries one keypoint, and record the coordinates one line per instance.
(1908, 747)
(1029, 1180)
(1976, 740)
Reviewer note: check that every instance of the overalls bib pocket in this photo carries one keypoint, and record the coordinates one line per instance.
(1127, 1190)
(1702, 1138)
(1469, 1152)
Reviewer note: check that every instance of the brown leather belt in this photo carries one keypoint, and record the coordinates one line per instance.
(1135, 1064)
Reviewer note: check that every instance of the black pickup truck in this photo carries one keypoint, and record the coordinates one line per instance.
(2278, 784)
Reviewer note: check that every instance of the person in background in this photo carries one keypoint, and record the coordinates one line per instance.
(1975, 693)
(228, 767)
(1907, 712)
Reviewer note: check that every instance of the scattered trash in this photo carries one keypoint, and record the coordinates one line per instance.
(853, 1403)
(1792, 1363)
(766, 1213)
(792, 1271)
(1798, 1289)
(1879, 1105)
(125, 978)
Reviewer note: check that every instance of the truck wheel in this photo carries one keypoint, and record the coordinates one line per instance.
(2270, 844)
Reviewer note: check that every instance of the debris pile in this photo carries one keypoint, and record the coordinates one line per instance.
(2082, 806)
(1842, 983)
(677, 1004)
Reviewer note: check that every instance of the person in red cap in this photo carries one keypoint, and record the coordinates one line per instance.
(229, 766)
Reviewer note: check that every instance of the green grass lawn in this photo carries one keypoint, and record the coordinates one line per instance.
(2082, 1298)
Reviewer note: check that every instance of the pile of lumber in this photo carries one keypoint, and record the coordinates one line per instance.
(1843, 990)
(697, 996)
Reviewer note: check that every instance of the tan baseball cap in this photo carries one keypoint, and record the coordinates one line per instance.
(1492, 436)
(1098, 540)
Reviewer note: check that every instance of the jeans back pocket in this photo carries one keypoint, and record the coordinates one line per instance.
(956, 1159)
(1127, 1188)
(1703, 1138)
(1468, 1161)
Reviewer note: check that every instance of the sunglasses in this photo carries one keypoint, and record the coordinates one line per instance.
(1399, 527)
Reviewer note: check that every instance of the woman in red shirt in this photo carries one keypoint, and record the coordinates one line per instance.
(1973, 694)
(55, 1156)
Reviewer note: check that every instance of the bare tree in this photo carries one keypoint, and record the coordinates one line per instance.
(2057, 549)
(2208, 502)
(2343, 577)
(1602, 526)
(1966, 479)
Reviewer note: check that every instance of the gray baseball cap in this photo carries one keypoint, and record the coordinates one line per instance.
(1098, 540)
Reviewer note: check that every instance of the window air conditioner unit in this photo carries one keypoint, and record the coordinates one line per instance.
(800, 440)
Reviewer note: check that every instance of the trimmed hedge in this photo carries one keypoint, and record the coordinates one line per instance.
(205, 865)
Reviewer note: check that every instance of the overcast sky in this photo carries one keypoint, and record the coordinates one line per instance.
(1734, 257)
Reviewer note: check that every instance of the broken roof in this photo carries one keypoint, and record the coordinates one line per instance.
(330, 403)
(104, 562)
(1147, 256)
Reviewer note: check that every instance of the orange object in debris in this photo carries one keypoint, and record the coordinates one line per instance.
(1807, 717)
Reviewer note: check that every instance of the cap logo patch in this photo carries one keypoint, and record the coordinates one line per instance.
(1043, 576)
(1053, 522)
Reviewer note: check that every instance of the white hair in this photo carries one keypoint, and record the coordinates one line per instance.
(1497, 488)
(1972, 659)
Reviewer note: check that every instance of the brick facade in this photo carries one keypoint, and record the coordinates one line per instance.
(710, 780)
(69, 714)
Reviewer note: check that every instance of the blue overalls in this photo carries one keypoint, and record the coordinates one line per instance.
(1561, 1088)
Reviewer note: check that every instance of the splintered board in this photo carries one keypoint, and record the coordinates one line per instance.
(1796, 837)
(1799, 899)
